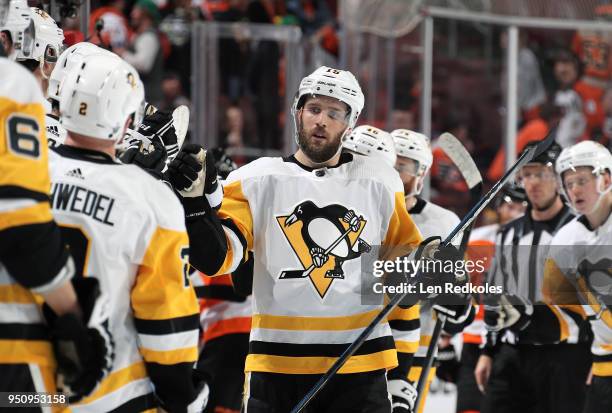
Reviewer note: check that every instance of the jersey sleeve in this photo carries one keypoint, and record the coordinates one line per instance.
(402, 234)
(27, 229)
(237, 222)
(166, 316)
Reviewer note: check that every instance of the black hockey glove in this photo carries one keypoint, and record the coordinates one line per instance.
(509, 312)
(224, 163)
(186, 169)
(200, 400)
(456, 307)
(149, 154)
(194, 175)
(448, 364)
(83, 348)
(403, 395)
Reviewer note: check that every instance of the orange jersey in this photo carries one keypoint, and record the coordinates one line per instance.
(593, 48)
(222, 311)
(592, 97)
(534, 130)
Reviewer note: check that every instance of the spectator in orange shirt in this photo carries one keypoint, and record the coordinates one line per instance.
(533, 130)
(116, 30)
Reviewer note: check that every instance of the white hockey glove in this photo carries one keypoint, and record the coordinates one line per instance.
(403, 395)
(83, 348)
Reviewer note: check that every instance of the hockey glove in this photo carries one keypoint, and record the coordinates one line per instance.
(198, 404)
(456, 307)
(224, 163)
(403, 396)
(83, 348)
(169, 128)
(448, 364)
(510, 312)
(149, 154)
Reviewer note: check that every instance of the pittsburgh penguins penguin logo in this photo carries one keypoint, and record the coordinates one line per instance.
(323, 238)
(598, 277)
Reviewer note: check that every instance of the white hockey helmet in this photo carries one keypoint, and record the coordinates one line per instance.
(98, 96)
(4, 10)
(48, 37)
(371, 141)
(335, 83)
(586, 153)
(69, 58)
(19, 24)
(415, 146)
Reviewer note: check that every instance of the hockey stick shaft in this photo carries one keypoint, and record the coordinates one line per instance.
(466, 165)
(463, 225)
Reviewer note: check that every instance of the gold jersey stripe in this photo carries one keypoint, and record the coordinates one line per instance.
(386, 359)
(160, 292)
(26, 351)
(39, 213)
(116, 380)
(349, 322)
(236, 206)
(411, 313)
(181, 355)
(406, 346)
(15, 293)
(603, 368)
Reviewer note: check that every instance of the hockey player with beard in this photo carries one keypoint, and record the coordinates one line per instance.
(34, 262)
(579, 265)
(535, 358)
(153, 313)
(307, 218)
(414, 158)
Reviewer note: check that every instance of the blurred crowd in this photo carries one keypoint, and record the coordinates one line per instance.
(564, 77)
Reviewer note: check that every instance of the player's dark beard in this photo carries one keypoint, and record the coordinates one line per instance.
(318, 154)
(546, 205)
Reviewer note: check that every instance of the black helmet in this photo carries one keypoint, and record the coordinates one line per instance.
(548, 157)
(510, 193)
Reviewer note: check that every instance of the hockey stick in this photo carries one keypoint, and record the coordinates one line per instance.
(305, 273)
(525, 157)
(466, 165)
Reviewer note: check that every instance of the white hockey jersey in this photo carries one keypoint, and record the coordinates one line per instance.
(127, 229)
(432, 220)
(582, 256)
(56, 133)
(307, 230)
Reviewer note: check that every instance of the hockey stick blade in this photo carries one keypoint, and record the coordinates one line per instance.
(462, 159)
(525, 157)
(453, 148)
